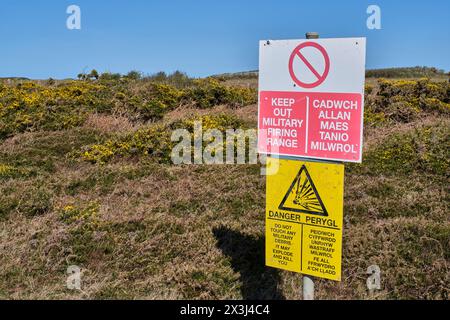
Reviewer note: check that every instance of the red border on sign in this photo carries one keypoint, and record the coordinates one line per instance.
(297, 53)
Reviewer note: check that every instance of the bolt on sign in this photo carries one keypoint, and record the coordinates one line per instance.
(311, 98)
(304, 217)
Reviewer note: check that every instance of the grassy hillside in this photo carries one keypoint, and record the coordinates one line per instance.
(86, 179)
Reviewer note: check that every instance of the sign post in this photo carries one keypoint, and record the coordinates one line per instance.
(308, 288)
(304, 217)
(308, 282)
(310, 120)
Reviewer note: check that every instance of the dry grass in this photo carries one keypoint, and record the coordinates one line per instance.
(109, 124)
(246, 83)
(248, 113)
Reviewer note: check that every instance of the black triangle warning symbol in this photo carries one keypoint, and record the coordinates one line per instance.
(302, 196)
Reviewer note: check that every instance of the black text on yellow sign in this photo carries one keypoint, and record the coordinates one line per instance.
(304, 217)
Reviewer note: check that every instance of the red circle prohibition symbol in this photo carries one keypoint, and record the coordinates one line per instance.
(320, 77)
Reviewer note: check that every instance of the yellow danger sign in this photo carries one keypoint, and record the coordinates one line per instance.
(304, 217)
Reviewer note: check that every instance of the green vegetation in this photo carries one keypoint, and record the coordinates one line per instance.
(86, 179)
(404, 101)
(425, 149)
(27, 106)
(154, 142)
(415, 72)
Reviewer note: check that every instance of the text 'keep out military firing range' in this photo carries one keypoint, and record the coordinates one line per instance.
(311, 103)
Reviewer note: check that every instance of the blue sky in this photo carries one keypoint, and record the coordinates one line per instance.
(205, 37)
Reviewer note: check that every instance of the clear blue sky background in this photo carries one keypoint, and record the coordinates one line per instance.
(204, 37)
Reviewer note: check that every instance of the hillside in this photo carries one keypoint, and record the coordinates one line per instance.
(86, 179)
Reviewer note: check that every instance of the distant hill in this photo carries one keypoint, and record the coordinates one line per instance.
(14, 78)
(407, 72)
(238, 75)
(410, 72)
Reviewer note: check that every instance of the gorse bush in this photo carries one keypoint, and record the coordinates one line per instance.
(207, 93)
(31, 107)
(155, 141)
(163, 98)
(28, 106)
(220, 122)
(405, 100)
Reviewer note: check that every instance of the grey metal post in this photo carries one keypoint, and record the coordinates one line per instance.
(312, 35)
(308, 288)
(308, 282)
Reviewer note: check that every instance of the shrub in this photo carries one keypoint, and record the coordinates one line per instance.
(425, 149)
(220, 122)
(94, 74)
(134, 75)
(405, 100)
(207, 93)
(163, 99)
(368, 89)
(177, 79)
(108, 76)
(153, 110)
(154, 141)
(30, 107)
